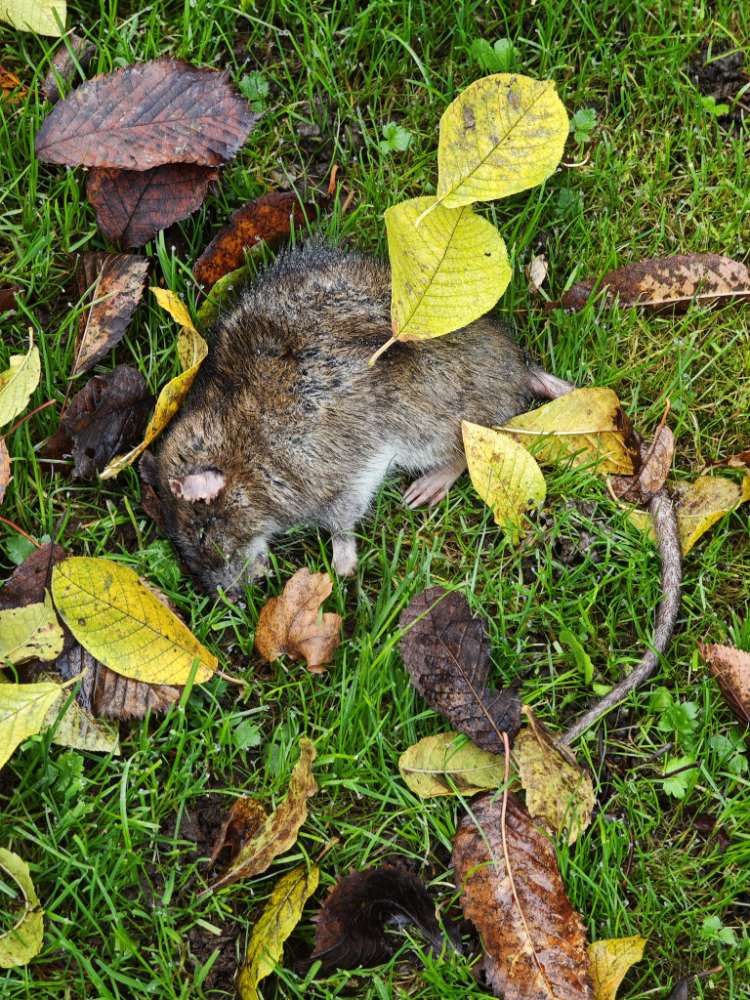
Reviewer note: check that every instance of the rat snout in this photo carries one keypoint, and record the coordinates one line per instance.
(248, 564)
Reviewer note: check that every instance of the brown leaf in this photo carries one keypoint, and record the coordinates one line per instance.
(163, 111)
(27, 582)
(447, 653)
(668, 282)
(350, 928)
(536, 272)
(292, 624)
(740, 460)
(265, 219)
(243, 821)
(656, 461)
(4, 468)
(133, 205)
(8, 298)
(731, 668)
(534, 941)
(11, 87)
(117, 282)
(63, 67)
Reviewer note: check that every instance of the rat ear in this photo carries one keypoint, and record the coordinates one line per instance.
(205, 484)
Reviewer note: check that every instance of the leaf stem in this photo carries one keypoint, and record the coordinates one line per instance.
(381, 350)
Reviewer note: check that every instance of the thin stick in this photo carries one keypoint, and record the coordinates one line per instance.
(229, 678)
(20, 531)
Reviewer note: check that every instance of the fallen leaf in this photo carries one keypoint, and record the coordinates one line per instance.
(18, 382)
(10, 86)
(28, 582)
(350, 930)
(731, 668)
(43, 17)
(8, 298)
(558, 791)
(585, 425)
(63, 68)
(503, 134)
(279, 831)
(280, 916)
(536, 272)
(740, 460)
(668, 282)
(141, 116)
(117, 282)
(447, 653)
(219, 294)
(446, 271)
(243, 821)
(656, 461)
(267, 219)
(610, 960)
(77, 729)
(30, 633)
(449, 764)
(504, 474)
(21, 942)
(534, 941)
(23, 713)
(124, 625)
(292, 624)
(4, 468)
(132, 206)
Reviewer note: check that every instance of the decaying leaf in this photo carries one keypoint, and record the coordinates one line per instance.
(446, 271)
(30, 633)
(534, 941)
(586, 425)
(243, 821)
(668, 282)
(447, 653)
(21, 942)
(124, 625)
(267, 219)
(536, 272)
(293, 625)
(4, 468)
(8, 297)
(449, 764)
(141, 116)
(656, 461)
(350, 928)
(43, 17)
(558, 791)
(117, 282)
(77, 729)
(28, 582)
(731, 668)
(740, 460)
(610, 960)
(63, 67)
(279, 831)
(23, 713)
(503, 134)
(220, 293)
(280, 916)
(133, 205)
(11, 87)
(504, 474)
(18, 382)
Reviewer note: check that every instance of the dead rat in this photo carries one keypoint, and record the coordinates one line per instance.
(287, 424)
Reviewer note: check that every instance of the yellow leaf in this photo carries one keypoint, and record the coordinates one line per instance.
(446, 272)
(503, 134)
(44, 17)
(23, 713)
(279, 831)
(610, 960)
(23, 940)
(18, 382)
(277, 921)
(122, 624)
(558, 791)
(449, 764)
(31, 632)
(81, 731)
(586, 425)
(504, 474)
(172, 303)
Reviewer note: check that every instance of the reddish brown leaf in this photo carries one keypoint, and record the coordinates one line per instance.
(668, 282)
(4, 468)
(117, 282)
(266, 219)
(447, 653)
(534, 941)
(292, 624)
(243, 821)
(164, 111)
(8, 297)
(731, 668)
(63, 67)
(133, 205)
(740, 460)
(656, 461)
(10, 86)
(27, 582)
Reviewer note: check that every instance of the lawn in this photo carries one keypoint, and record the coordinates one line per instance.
(115, 843)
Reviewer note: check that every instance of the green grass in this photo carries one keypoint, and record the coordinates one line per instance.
(112, 842)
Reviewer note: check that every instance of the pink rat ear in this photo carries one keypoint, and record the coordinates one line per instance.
(205, 485)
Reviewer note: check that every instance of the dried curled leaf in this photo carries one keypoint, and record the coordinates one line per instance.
(449, 764)
(280, 916)
(447, 653)
(30, 633)
(610, 960)
(18, 382)
(23, 940)
(586, 425)
(124, 625)
(731, 668)
(534, 941)
(243, 821)
(656, 460)
(504, 474)
(23, 713)
(64, 66)
(43, 17)
(292, 623)
(279, 831)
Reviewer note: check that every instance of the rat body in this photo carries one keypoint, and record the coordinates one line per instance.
(286, 423)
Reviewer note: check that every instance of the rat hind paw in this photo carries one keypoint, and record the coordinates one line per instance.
(345, 555)
(433, 486)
